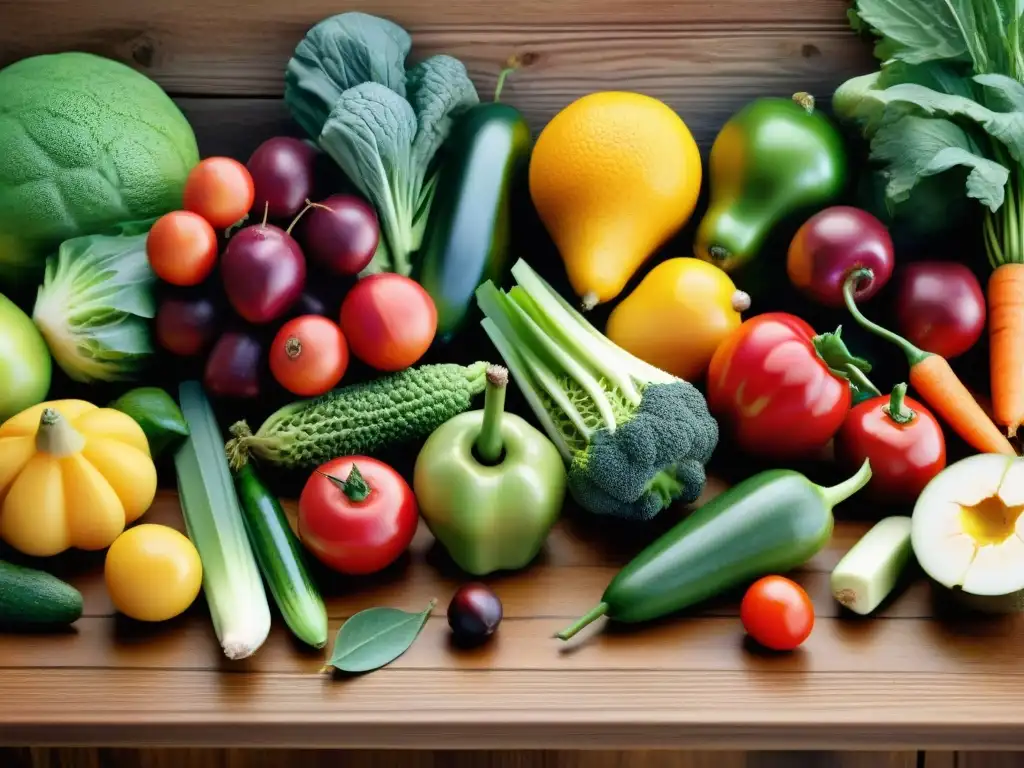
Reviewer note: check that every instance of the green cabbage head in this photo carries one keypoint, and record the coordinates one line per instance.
(86, 143)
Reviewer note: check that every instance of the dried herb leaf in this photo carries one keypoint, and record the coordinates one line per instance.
(375, 637)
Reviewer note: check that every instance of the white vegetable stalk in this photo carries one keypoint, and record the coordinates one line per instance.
(213, 518)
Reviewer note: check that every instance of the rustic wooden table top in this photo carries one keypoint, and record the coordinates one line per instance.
(908, 678)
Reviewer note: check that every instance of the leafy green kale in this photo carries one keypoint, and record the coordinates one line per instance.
(347, 86)
(946, 106)
(635, 439)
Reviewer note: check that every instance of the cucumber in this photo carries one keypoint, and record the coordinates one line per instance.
(466, 242)
(281, 559)
(869, 571)
(31, 598)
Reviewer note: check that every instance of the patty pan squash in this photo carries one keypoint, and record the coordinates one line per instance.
(71, 475)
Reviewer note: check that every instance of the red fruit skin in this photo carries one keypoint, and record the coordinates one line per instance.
(282, 169)
(342, 239)
(389, 321)
(357, 538)
(264, 273)
(940, 307)
(904, 457)
(832, 244)
(771, 392)
(777, 613)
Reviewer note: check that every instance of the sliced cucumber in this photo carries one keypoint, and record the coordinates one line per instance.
(869, 571)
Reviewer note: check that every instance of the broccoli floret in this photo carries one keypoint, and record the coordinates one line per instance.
(650, 461)
(635, 439)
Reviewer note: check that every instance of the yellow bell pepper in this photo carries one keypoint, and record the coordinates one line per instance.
(71, 475)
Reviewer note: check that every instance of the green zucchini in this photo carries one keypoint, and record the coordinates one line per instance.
(30, 598)
(468, 232)
(281, 560)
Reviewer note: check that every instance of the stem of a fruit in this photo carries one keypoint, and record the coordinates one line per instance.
(914, 355)
(593, 615)
(897, 410)
(489, 444)
(302, 213)
(837, 494)
(293, 347)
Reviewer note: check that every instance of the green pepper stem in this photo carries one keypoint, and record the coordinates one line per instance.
(354, 486)
(837, 494)
(510, 66)
(897, 410)
(914, 355)
(860, 381)
(489, 444)
(594, 614)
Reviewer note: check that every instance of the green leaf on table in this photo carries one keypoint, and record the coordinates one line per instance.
(375, 637)
(917, 147)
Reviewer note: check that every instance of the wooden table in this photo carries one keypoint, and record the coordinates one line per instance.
(912, 686)
(899, 682)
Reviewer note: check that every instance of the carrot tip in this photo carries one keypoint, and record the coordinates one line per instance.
(1011, 431)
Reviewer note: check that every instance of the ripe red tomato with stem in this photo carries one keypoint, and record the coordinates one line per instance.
(309, 355)
(902, 439)
(357, 515)
(389, 321)
(182, 248)
(781, 390)
(221, 190)
(777, 613)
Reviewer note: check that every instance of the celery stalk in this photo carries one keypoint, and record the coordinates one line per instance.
(869, 571)
(213, 519)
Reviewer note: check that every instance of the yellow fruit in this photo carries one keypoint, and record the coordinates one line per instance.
(153, 573)
(71, 475)
(613, 176)
(678, 315)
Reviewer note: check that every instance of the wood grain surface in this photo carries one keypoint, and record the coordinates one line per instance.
(704, 59)
(913, 676)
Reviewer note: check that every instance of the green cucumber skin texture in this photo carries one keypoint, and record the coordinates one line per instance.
(35, 598)
(469, 229)
(281, 560)
(769, 523)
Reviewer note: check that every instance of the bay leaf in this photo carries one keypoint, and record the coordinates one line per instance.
(375, 637)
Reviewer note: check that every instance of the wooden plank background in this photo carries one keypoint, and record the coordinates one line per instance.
(223, 62)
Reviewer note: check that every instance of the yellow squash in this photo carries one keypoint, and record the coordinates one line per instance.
(678, 315)
(71, 475)
(613, 176)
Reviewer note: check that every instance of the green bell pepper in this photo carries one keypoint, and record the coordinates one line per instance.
(489, 485)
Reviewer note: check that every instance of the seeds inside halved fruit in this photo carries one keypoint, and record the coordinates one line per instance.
(968, 526)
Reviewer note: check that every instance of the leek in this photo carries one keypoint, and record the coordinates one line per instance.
(213, 519)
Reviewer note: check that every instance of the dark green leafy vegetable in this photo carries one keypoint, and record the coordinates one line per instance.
(376, 637)
(348, 87)
(947, 104)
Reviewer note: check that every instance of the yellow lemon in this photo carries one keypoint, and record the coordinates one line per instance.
(613, 176)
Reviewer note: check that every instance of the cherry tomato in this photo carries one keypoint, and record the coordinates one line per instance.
(770, 388)
(357, 522)
(220, 190)
(309, 355)
(389, 321)
(777, 613)
(182, 248)
(906, 450)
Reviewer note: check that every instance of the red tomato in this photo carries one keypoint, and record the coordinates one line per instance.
(771, 390)
(220, 190)
(777, 613)
(352, 534)
(904, 456)
(309, 355)
(182, 248)
(389, 321)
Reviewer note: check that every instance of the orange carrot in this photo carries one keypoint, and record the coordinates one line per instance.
(1006, 344)
(937, 384)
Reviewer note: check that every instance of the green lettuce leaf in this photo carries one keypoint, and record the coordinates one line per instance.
(913, 148)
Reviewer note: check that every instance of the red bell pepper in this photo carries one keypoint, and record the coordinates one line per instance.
(779, 389)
